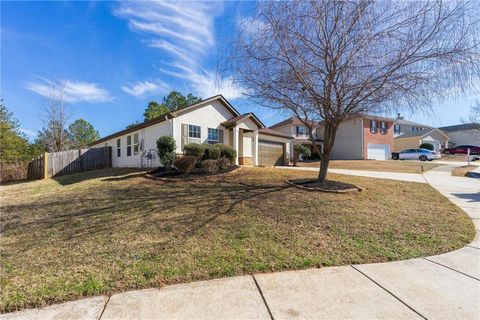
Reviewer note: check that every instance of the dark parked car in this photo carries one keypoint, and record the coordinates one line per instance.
(463, 149)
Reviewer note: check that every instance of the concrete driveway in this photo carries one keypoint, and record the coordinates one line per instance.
(446, 286)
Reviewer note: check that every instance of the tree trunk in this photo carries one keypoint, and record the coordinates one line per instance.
(322, 174)
(330, 130)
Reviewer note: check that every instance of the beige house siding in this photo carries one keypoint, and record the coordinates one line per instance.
(148, 135)
(405, 143)
(207, 116)
(348, 141)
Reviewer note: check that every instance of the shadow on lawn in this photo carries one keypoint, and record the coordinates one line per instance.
(170, 211)
(115, 174)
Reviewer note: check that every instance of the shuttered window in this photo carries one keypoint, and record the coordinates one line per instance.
(373, 126)
(383, 127)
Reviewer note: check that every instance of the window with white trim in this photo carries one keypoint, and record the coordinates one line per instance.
(135, 143)
(119, 150)
(212, 136)
(302, 131)
(129, 146)
(397, 129)
(194, 134)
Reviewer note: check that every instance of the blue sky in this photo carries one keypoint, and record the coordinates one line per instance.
(114, 57)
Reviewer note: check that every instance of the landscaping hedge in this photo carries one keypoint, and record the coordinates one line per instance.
(227, 152)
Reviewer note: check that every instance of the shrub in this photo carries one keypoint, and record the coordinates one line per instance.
(212, 152)
(223, 163)
(194, 149)
(209, 165)
(13, 171)
(185, 164)
(300, 149)
(227, 152)
(427, 145)
(166, 150)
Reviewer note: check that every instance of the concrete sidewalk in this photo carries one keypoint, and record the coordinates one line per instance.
(445, 286)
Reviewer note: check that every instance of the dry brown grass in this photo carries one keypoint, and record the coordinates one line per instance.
(462, 171)
(373, 165)
(111, 230)
(455, 157)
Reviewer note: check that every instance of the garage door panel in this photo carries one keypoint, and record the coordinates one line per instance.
(270, 153)
(378, 151)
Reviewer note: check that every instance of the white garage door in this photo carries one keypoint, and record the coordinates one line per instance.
(378, 151)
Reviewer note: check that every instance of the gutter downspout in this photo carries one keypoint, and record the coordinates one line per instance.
(172, 122)
(363, 138)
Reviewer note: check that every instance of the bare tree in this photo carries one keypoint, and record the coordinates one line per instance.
(475, 113)
(474, 119)
(54, 135)
(330, 60)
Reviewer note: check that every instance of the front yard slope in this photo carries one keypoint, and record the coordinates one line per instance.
(112, 230)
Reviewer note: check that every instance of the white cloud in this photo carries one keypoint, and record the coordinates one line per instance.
(145, 87)
(74, 91)
(185, 31)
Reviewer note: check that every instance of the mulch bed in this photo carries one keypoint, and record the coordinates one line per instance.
(162, 174)
(325, 186)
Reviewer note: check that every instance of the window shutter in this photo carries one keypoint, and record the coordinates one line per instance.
(220, 136)
(184, 134)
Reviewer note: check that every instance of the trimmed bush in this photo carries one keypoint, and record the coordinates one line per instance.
(427, 145)
(209, 165)
(223, 163)
(166, 150)
(212, 152)
(194, 149)
(300, 149)
(227, 152)
(185, 164)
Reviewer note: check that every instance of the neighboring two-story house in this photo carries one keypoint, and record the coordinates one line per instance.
(300, 134)
(361, 137)
(410, 135)
(402, 126)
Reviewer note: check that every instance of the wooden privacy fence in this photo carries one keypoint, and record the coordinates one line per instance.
(68, 162)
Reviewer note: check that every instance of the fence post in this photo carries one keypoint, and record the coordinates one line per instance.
(45, 165)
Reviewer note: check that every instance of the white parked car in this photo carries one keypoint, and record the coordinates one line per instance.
(416, 154)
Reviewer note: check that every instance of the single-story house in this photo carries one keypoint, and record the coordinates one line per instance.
(213, 120)
(413, 139)
(360, 137)
(468, 133)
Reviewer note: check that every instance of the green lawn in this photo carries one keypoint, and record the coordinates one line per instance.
(107, 231)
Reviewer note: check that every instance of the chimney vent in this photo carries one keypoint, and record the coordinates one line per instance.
(399, 117)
